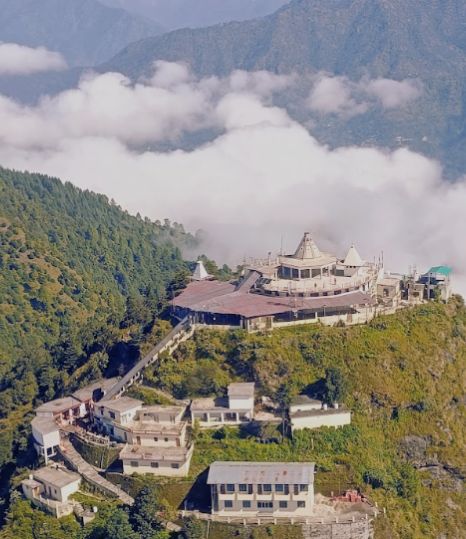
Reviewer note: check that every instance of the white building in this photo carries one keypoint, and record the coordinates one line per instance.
(307, 413)
(50, 488)
(237, 408)
(46, 436)
(262, 489)
(155, 436)
(164, 461)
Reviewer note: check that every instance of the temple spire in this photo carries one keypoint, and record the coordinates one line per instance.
(352, 258)
(307, 249)
(200, 273)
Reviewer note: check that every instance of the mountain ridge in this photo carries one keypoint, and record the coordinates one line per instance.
(86, 32)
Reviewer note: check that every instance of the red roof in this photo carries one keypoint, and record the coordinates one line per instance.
(224, 298)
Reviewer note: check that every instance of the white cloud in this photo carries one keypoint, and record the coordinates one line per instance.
(20, 60)
(263, 178)
(340, 95)
(393, 93)
(334, 95)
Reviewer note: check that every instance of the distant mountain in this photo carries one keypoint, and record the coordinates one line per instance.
(197, 13)
(85, 31)
(395, 39)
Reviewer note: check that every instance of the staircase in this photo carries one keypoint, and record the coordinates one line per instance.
(90, 474)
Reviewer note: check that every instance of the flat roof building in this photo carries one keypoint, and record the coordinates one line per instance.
(50, 487)
(255, 489)
(235, 409)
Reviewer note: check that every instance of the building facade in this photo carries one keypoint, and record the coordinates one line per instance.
(235, 409)
(255, 489)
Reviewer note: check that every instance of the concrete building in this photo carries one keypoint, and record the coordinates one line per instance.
(307, 413)
(46, 436)
(53, 415)
(155, 436)
(50, 488)
(237, 408)
(164, 461)
(254, 489)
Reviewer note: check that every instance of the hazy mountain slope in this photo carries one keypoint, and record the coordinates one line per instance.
(85, 31)
(196, 13)
(395, 39)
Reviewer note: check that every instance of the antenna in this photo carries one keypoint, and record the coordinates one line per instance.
(281, 245)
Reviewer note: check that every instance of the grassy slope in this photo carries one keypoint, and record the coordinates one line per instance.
(406, 378)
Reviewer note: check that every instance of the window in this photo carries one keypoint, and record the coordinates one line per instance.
(134, 463)
(243, 487)
(175, 465)
(305, 274)
(279, 487)
(154, 464)
(166, 439)
(283, 505)
(294, 274)
(301, 505)
(267, 488)
(230, 487)
(246, 504)
(228, 504)
(156, 439)
(265, 505)
(111, 414)
(302, 488)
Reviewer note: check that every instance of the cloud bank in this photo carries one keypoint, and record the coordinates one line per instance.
(264, 177)
(20, 60)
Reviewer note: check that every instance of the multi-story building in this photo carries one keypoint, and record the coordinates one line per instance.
(254, 489)
(155, 436)
(235, 409)
(58, 413)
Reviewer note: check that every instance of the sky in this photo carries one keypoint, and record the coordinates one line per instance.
(262, 180)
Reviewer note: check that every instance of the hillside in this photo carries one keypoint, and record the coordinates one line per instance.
(402, 375)
(174, 14)
(86, 32)
(398, 39)
(80, 282)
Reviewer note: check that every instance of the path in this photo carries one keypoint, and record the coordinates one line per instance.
(77, 463)
(177, 335)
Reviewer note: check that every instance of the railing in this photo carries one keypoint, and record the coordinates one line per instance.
(183, 328)
(271, 519)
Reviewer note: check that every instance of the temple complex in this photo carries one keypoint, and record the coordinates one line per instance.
(304, 287)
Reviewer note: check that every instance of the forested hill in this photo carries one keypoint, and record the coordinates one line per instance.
(394, 39)
(77, 274)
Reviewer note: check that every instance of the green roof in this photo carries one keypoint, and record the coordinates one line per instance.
(443, 270)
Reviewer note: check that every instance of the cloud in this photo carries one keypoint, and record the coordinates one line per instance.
(334, 95)
(162, 108)
(262, 178)
(393, 93)
(20, 60)
(340, 95)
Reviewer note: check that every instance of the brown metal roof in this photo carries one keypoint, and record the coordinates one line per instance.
(221, 298)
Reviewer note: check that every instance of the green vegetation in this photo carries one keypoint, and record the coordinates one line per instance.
(403, 377)
(82, 283)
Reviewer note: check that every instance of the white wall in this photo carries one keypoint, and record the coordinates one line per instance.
(241, 403)
(321, 420)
